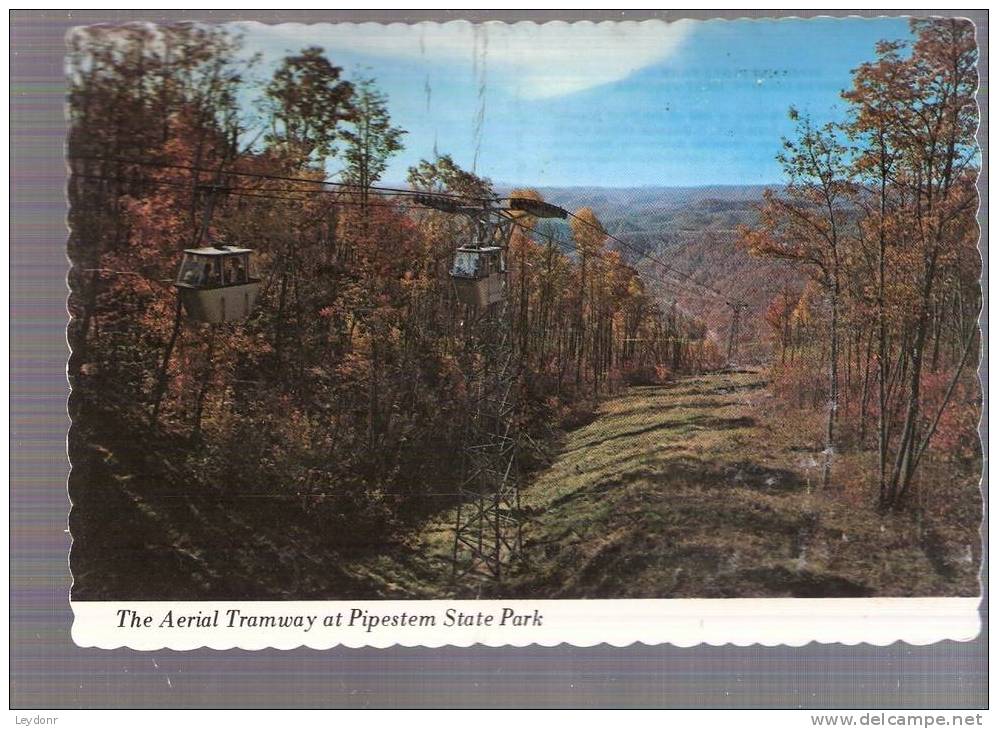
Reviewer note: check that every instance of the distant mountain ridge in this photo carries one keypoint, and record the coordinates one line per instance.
(620, 201)
(693, 230)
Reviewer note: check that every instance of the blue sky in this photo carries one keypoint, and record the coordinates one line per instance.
(619, 105)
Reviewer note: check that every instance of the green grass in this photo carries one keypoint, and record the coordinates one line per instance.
(706, 487)
(700, 488)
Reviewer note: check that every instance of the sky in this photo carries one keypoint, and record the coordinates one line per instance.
(629, 104)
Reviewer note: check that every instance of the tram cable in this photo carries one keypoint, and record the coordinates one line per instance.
(289, 195)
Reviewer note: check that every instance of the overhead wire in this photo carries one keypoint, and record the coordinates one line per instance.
(674, 285)
(251, 192)
(284, 178)
(393, 191)
(289, 195)
(572, 247)
(383, 191)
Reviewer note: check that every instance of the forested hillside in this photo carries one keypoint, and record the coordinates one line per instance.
(336, 409)
(696, 233)
(691, 338)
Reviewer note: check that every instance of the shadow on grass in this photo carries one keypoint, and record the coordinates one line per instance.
(689, 491)
(652, 410)
(801, 583)
(700, 422)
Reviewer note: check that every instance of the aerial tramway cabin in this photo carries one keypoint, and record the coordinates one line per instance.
(217, 283)
(479, 275)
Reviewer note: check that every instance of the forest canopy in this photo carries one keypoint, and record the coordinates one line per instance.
(345, 391)
(334, 419)
(880, 213)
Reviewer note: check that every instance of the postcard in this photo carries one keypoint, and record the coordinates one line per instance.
(524, 333)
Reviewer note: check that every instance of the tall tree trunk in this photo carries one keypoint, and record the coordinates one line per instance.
(865, 392)
(164, 368)
(904, 463)
(833, 389)
(205, 382)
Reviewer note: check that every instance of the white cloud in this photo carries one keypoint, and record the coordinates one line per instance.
(538, 61)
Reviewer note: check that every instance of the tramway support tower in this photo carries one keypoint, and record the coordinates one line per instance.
(487, 527)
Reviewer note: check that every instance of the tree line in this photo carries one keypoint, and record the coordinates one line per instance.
(880, 212)
(346, 388)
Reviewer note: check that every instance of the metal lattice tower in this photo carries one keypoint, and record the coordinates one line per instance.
(487, 529)
(736, 309)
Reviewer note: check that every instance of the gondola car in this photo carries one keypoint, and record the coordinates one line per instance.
(217, 283)
(479, 275)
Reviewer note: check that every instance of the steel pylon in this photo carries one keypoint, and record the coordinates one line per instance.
(487, 530)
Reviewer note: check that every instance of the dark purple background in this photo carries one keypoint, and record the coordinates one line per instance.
(48, 671)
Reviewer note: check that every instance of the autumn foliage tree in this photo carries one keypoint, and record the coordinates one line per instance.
(881, 211)
(372, 140)
(338, 404)
(806, 223)
(307, 101)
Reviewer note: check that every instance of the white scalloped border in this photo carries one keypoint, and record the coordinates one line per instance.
(923, 620)
(582, 623)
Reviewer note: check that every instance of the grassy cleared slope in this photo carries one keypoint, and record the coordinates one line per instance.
(698, 489)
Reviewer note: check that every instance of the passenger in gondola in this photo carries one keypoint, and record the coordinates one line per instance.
(214, 274)
(237, 272)
(192, 274)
